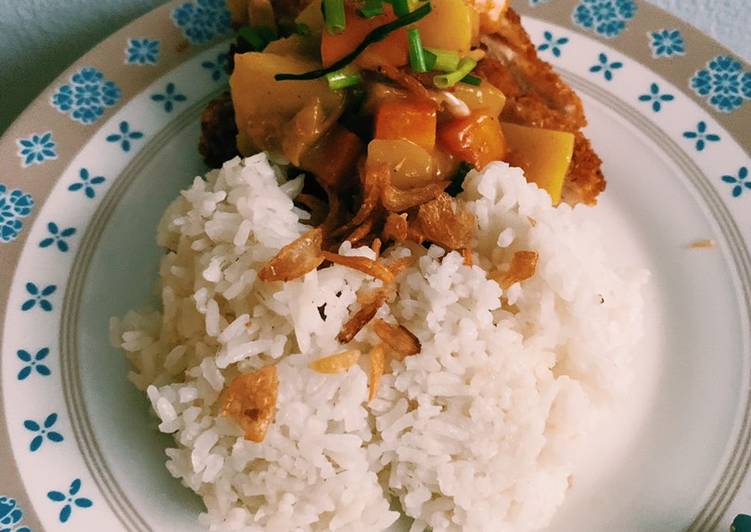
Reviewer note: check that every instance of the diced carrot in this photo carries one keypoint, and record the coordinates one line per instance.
(401, 119)
(477, 139)
(390, 51)
(334, 157)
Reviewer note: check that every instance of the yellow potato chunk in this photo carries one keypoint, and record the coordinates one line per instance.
(263, 105)
(450, 26)
(484, 97)
(543, 154)
(410, 165)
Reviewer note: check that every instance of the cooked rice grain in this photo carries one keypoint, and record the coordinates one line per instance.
(479, 431)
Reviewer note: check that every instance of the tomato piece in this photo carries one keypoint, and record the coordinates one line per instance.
(477, 139)
(390, 51)
(401, 119)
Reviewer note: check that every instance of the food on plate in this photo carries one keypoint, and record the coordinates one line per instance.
(369, 312)
(464, 395)
(419, 86)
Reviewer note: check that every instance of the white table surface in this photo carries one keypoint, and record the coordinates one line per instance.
(40, 38)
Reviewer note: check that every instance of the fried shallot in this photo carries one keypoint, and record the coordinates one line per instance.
(377, 367)
(363, 264)
(295, 259)
(250, 400)
(397, 337)
(441, 222)
(360, 319)
(336, 363)
(523, 266)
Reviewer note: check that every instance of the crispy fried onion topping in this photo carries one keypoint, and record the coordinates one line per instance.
(336, 363)
(295, 259)
(250, 400)
(523, 266)
(377, 367)
(397, 337)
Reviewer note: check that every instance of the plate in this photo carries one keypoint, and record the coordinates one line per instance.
(89, 167)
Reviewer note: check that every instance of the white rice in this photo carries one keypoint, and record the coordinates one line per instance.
(479, 431)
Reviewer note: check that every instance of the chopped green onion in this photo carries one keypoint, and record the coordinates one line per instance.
(401, 7)
(376, 35)
(416, 51)
(469, 79)
(333, 15)
(445, 81)
(258, 37)
(445, 60)
(430, 59)
(341, 79)
(302, 29)
(372, 8)
(457, 180)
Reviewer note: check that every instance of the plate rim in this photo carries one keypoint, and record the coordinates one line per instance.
(555, 13)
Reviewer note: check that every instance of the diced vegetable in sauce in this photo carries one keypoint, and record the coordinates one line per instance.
(544, 154)
(391, 51)
(413, 120)
(477, 139)
(451, 25)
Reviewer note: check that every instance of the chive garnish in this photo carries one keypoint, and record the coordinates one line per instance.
(377, 34)
(257, 37)
(372, 8)
(333, 16)
(401, 7)
(416, 52)
(445, 60)
(341, 79)
(445, 81)
(302, 29)
(469, 79)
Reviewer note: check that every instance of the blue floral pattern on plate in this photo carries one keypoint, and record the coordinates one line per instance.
(125, 136)
(42, 432)
(217, 67)
(169, 98)
(740, 182)
(701, 136)
(552, 43)
(70, 500)
(57, 237)
(607, 18)
(202, 20)
(666, 43)
(656, 98)
(40, 297)
(605, 66)
(36, 149)
(11, 516)
(14, 205)
(723, 83)
(535, 3)
(142, 52)
(86, 183)
(86, 96)
(33, 363)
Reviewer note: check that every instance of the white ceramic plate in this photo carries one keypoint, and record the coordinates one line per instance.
(89, 167)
